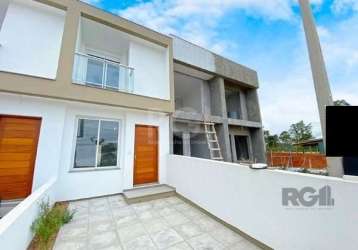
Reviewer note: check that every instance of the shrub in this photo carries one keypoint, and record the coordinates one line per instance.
(49, 221)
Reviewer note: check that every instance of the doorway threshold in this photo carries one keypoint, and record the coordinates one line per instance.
(148, 192)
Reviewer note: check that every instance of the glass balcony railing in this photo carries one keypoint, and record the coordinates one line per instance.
(102, 73)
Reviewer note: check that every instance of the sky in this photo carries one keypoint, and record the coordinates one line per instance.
(267, 36)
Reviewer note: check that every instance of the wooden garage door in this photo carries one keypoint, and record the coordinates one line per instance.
(146, 155)
(18, 145)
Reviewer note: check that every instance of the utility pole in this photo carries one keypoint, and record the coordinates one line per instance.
(4, 5)
(320, 79)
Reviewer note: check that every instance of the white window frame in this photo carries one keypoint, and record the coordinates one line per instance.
(119, 139)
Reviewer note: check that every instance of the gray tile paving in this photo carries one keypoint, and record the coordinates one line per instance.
(108, 223)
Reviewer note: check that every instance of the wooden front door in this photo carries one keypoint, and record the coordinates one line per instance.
(145, 155)
(18, 147)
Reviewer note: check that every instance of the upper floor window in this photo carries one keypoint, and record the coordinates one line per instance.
(96, 143)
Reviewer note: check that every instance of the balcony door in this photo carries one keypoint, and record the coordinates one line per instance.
(146, 155)
(103, 72)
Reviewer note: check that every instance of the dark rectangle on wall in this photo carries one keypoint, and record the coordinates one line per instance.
(342, 131)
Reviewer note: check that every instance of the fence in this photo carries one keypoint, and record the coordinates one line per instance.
(302, 160)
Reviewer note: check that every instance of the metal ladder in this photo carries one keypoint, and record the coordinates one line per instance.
(213, 143)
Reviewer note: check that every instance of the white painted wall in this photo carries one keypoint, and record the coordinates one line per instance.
(89, 183)
(83, 184)
(251, 201)
(57, 141)
(151, 69)
(31, 38)
(146, 118)
(98, 39)
(80, 184)
(15, 231)
(50, 140)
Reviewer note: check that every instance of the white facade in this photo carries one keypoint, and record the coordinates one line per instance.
(56, 145)
(50, 139)
(151, 70)
(76, 184)
(30, 39)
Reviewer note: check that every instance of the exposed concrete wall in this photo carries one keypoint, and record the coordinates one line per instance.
(243, 105)
(206, 98)
(245, 123)
(217, 91)
(222, 131)
(258, 145)
(214, 103)
(208, 61)
(186, 144)
(253, 107)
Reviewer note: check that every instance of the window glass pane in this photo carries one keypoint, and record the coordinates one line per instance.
(94, 72)
(86, 143)
(108, 144)
(112, 80)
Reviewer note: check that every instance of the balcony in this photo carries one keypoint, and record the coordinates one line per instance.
(106, 58)
(102, 73)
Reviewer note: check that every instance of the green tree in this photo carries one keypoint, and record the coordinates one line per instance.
(300, 131)
(272, 141)
(285, 137)
(341, 103)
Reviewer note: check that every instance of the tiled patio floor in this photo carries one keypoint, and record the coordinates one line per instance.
(169, 223)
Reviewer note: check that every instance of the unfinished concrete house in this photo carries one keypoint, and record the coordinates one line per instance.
(217, 113)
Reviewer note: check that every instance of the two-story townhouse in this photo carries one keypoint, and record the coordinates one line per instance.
(210, 89)
(85, 97)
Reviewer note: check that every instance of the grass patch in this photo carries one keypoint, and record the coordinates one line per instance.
(48, 223)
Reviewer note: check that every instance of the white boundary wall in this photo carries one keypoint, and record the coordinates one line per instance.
(15, 233)
(251, 201)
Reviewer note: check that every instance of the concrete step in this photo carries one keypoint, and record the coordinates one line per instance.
(147, 193)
